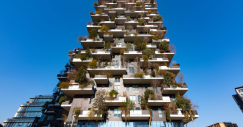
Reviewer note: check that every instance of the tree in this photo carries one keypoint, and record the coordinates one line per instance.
(148, 52)
(72, 74)
(163, 45)
(107, 45)
(158, 18)
(148, 92)
(139, 44)
(169, 79)
(93, 64)
(76, 111)
(89, 23)
(126, 108)
(92, 34)
(181, 78)
(104, 28)
(172, 48)
(81, 75)
(161, 34)
(129, 46)
(88, 53)
(80, 38)
(99, 103)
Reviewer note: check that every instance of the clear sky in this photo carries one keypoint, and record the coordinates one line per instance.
(35, 37)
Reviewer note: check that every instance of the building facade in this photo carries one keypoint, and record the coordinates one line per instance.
(123, 75)
(224, 124)
(238, 97)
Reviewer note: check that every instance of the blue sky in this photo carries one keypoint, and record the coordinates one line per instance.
(35, 37)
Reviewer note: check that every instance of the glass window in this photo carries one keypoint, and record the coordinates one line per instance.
(117, 112)
(50, 117)
(111, 80)
(91, 99)
(131, 70)
(135, 88)
(146, 88)
(139, 99)
(127, 89)
(110, 87)
(117, 80)
(155, 90)
(133, 98)
(160, 112)
(117, 88)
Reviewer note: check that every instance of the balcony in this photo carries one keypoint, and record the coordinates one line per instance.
(152, 15)
(179, 115)
(110, 24)
(118, 47)
(160, 101)
(132, 23)
(66, 105)
(156, 30)
(108, 37)
(71, 91)
(153, 10)
(132, 54)
(118, 10)
(168, 55)
(133, 14)
(114, 70)
(156, 60)
(147, 79)
(159, 23)
(131, 37)
(141, 28)
(101, 54)
(78, 62)
(101, 79)
(170, 90)
(173, 69)
(92, 43)
(157, 42)
(84, 116)
(98, 17)
(137, 115)
(151, 46)
(113, 5)
(100, 7)
(117, 33)
(116, 102)
(90, 27)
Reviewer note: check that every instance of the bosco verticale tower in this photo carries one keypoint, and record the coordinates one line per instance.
(123, 74)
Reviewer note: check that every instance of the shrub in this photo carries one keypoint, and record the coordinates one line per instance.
(128, 18)
(168, 114)
(62, 99)
(122, 51)
(138, 16)
(98, 12)
(106, 63)
(139, 44)
(163, 28)
(138, 3)
(104, 28)
(169, 78)
(91, 13)
(156, 37)
(149, 12)
(107, 45)
(81, 75)
(92, 34)
(153, 73)
(84, 85)
(77, 111)
(177, 64)
(95, 23)
(112, 18)
(140, 23)
(95, 4)
(113, 94)
(157, 18)
(138, 75)
(161, 51)
(148, 92)
(155, 97)
(142, 20)
(64, 85)
(148, 52)
(145, 58)
(163, 46)
(93, 64)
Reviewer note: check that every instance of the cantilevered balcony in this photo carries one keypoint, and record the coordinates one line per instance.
(152, 15)
(112, 13)
(151, 46)
(131, 37)
(159, 101)
(156, 30)
(153, 10)
(110, 24)
(114, 70)
(77, 62)
(116, 102)
(178, 115)
(137, 115)
(84, 116)
(100, 7)
(113, 5)
(101, 79)
(117, 33)
(132, 54)
(118, 10)
(174, 90)
(117, 48)
(75, 89)
(108, 37)
(98, 17)
(168, 55)
(132, 23)
(173, 69)
(90, 27)
(66, 105)
(146, 79)
(100, 54)
(159, 23)
(133, 14)
(156, 60)
(157, 42)
(92, 43)
(141, 28)
(120, 19)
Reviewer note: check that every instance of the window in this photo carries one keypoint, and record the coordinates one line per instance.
(110, 87)
(117, 112)
(131, 70)
(50, 117)
(117, 80)
(109, 113)
(146, 88)
(127, 89)
(111, 80)
(91, 99)
(139, 99)
(117, 88)
(135, 88)
(155, 90)
(160, 112)
(133, 98)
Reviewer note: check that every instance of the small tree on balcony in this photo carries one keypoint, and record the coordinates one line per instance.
(81, 75)
(169, 79)
(80, 38)
(158, 18)
(76, 111)
(126, 108)
(104, 29)
(148, 52)
(99, 103)
(139, 44)
(64, 85)
(72, 74)
(181, 78)
(129, 46)
(172, 48)
(93, 64)
(92, 34)
(107, 45)
(163, 45)
(113, 94)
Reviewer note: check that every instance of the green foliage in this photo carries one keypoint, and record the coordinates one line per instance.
(148, 52)
(144, 103)
(138, 3)
(81, 75)
(76, 111)
(112, 18)
(113, 94)
(92, 34)
(106, 63)
(169, 78)
(158, 18)
(93, 64)
(128, 18)
(151, 1)
(83, 85)
(163, 28)
(156, 37)
(99, 103)
(91, 13)
(64, 85)
(122, 51)
(138, 75)
(127, 107)
(153, 73)
(148, 92)
(143, 21)
(96, 23)
(138, 16)
(104, 28)
(88, 53)
(163, 45)
(62, 99)
(128, 46)
(95, 4)
(145, 58)
(107, 45)
(139, 44)
(183, 103)
(168, 115)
